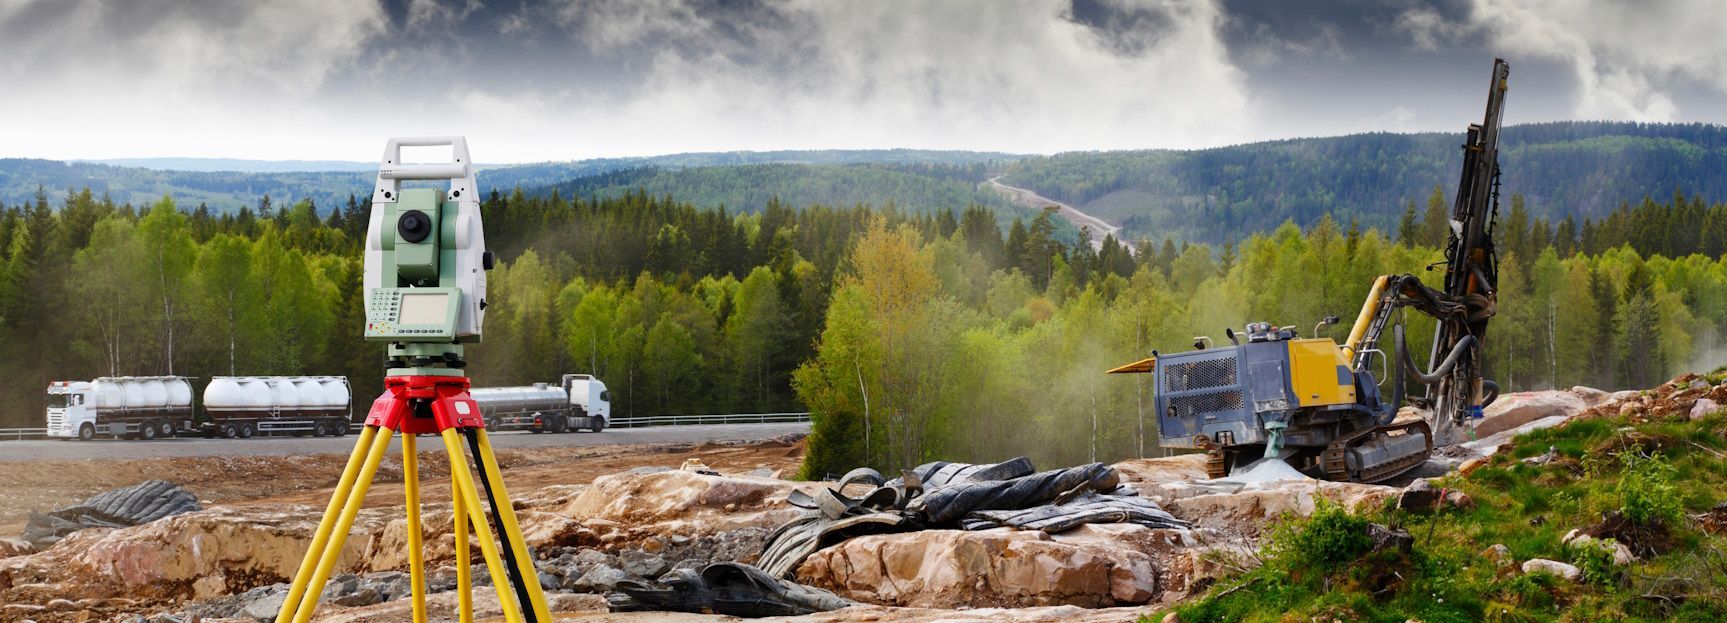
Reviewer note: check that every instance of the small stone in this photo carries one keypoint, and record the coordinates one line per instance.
(1543, 565)
(363, 597)
(1387, 538)
(589, 557)
(642, 564)
(549, 581)
(601, 578)
(1703, 408)
(265, 607)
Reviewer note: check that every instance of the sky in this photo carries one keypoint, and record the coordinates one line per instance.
(531, 81)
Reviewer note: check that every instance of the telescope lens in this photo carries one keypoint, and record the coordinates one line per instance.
(414, 226)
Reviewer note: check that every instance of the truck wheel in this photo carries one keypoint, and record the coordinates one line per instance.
(246, 430)
(599, 424)
(340, 428)
(165, 430)
(87, 432)
(147, 431)
(492, 424)
(318, 429)
(229, 432)
(560, 424)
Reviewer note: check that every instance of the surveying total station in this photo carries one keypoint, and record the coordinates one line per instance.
(425, 286)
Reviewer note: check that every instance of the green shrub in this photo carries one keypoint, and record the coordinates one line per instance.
(1595, 560)
(1328, 539)
(1646, 491)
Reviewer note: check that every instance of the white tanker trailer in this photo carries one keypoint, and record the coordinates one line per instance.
(147, 407)
(579, 402)
(241, 406)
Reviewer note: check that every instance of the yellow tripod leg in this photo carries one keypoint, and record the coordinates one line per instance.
(321, 537)
(507, 514)
(464, 576)
(482, 533)
(344, 523)
(416, 559)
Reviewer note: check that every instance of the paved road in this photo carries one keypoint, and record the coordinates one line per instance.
(1080, 220)
(290, 446)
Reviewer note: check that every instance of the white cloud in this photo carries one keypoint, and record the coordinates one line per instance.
(1623, 55)
(982, 75)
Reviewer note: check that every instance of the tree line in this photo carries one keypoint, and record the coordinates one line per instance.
(681, 309)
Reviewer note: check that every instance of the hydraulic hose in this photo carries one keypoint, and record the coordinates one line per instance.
(1429, 378)
(1491, 389)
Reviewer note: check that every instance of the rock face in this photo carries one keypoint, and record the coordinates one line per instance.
(681, 502)
(990, 568)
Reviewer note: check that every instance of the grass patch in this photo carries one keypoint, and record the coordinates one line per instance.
(1608, 478)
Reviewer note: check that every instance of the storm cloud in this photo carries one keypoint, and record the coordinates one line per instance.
(566, 79)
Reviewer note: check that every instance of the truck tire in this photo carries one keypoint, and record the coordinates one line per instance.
(599, 424)
(341, 428)
(228, 431)
(318, 428)
(560, 423)
(492, 424)
(147, 431)
(87, 432)
(165, 429)
(247, 430)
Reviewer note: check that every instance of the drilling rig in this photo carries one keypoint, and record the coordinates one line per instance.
(1271, 395)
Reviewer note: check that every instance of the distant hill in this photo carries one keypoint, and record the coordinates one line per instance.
(1583, 169)
(237, 165)
(227, 184)
(748, 187)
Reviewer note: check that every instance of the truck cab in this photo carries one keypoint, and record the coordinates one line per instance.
(70, 408)
(591, 403)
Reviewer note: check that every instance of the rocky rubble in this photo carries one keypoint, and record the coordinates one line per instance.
(233, 561)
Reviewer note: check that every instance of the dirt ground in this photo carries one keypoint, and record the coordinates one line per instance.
(27, 486)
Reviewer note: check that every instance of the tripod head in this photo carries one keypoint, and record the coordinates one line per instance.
(425, 261)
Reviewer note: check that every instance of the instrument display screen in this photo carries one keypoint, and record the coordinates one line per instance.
(424, 309)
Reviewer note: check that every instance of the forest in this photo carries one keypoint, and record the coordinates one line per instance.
(908, 334)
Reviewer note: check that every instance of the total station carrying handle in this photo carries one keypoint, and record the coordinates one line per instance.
(391, 169)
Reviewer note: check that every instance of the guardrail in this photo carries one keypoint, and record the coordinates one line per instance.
(687, 420)
(22, 433)
(16, 434)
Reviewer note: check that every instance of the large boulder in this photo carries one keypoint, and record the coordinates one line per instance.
(1514, 410)
(1092, 566)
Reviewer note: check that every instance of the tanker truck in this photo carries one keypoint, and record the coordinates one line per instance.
(579, 402)
(146, 407)
(242, 406)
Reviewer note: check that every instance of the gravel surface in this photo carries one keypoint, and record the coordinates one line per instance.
(290, 446)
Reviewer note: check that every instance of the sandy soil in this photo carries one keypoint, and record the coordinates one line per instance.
(239, 481)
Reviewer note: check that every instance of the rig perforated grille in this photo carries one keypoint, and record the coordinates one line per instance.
(1196, 375)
